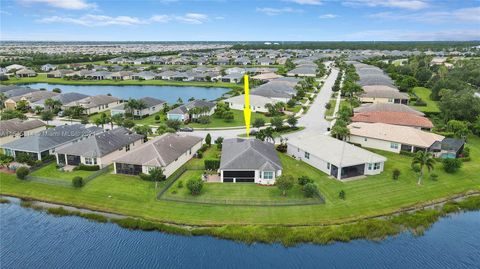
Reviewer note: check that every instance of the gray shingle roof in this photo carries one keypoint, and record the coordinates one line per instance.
(101, 144)
(149, 101)
(252, 154)
(183, 109)
(65, 98)
(9, 127)
(160, 151)
(51, 138)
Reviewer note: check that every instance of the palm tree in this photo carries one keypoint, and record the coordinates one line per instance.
(423, 158)
(3, 97)
(116, 119)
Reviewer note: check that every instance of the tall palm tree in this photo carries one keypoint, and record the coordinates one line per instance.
(423, 158)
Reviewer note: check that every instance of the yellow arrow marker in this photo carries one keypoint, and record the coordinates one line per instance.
(246, 110)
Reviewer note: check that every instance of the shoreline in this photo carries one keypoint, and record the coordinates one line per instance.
(415, 219)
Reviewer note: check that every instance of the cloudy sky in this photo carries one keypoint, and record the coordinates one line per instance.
(289, 20)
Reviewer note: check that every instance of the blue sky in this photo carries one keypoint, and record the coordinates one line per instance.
(289, 20)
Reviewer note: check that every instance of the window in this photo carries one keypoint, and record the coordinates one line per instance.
(127, 148)
(328, 165)
(307, 155)
(394, 145)
(268, 175)
(88, 161)
(365, 139)
(369, 166)
(376, 166)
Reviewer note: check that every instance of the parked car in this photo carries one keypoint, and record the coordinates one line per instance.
(186, 129)
(61, 114)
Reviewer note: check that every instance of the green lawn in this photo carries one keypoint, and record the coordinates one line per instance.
(42, 78)
(368, 197)
(150, 119)
(424, 94)
(237, 121)
(329, 112)
(50, 171)
(92, 117)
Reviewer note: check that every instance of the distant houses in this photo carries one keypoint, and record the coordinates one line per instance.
(95, 104)
(249, 161)
(168, 152)
(152, 105)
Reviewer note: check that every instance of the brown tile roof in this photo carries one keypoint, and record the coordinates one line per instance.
(396, 118)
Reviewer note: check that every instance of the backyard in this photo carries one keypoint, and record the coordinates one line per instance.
(238, 120)
(372, 196)
(424, 94)
(50, 171)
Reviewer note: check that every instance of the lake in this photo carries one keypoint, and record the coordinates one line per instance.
(33, 239)
(167, 93)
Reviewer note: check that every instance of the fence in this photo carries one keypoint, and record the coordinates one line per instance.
(66, 183)
(298, 202)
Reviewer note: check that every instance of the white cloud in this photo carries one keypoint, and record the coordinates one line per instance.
(307, 2)
(401, 35)
(192, 18)
(458, 15)
(277, 11)
(3, 12)
(328, 16)
(65, 4)
(103, 20)
(94, 20)
(403, 4)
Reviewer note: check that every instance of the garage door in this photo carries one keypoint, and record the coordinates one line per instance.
(240, 176)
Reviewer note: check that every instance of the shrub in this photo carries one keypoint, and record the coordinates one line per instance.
(395, 174)
(304, 180)
(77, 182)
(433, 176)
(144, 176)
(310, 190)
(420, 102)
(342, 195)
(282, 147)
(466, 152)
(219, 142)
(157, 118)
(212, 164)
(199, 154)
(203, 120)
(84, 167)
(203, 148)
(24, 158)
(180, 184)
(451, 165)
(22, 172)
(328, 105)
(195, 186)
(156, 174)
(284, 183)
(208, 140)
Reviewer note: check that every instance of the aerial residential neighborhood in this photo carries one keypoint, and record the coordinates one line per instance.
(242, 134)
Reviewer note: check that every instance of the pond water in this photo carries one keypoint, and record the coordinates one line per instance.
(32, 239)
(167, 93)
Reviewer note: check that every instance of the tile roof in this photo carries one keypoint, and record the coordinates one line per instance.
(387, 107)
(397, 118)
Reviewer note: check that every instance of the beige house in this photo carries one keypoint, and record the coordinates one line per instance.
(389, 137)
(378, 94)
(257, 102)
(14, 129)
(95, 104)
(30, 98)
(99, 149)
(169, 152)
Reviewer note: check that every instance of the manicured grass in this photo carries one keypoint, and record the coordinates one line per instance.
(329, 112)
(42, 78)
(92, 117)
(424, 94)
(51, 171)
(150, 119)
(372, 196)
(211, 153)
(237, 121)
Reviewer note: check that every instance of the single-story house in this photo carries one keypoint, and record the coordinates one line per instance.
(25, 73)
(30, 98)
(447, 148)
(14, 128)
(233, 78)
(396, 118)
(99, 149)
(334, 157)
(169, 152)
(257, 102)
(383, 94)
(387, 107)
(146, 75)
(14, 67)
(249, 160)
(64, 98)
(279, 91)
(303, 71)
(95, 104)
(153, 105)
(48, 67)
(46, 142)
(59, 73)
(389, 137)
(184, 112)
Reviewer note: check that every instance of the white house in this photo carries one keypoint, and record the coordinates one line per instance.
(153, 105)
(257, 102)
(334, 157)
